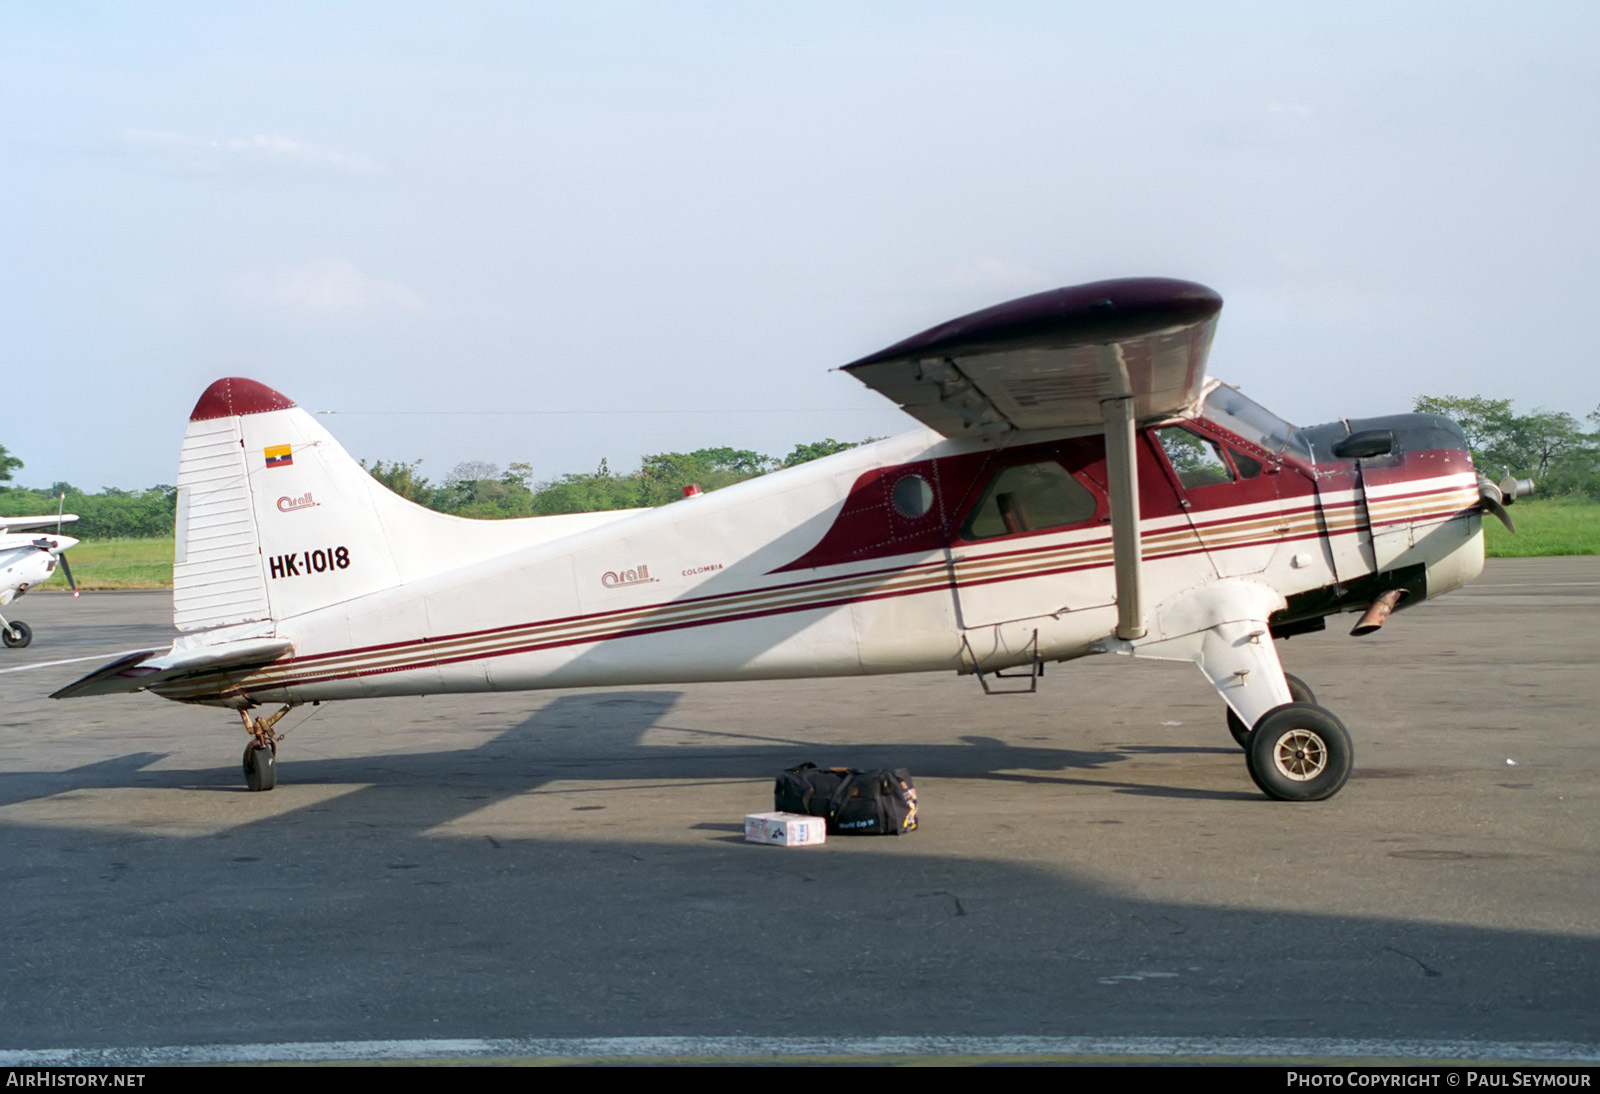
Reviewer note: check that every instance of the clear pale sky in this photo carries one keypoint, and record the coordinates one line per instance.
(660, 225)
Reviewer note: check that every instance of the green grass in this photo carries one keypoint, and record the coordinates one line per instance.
(118, 564)
(1548, 526)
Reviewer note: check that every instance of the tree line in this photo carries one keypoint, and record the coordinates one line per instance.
(472, 489)
(109, 514)
(483, 490)
(1551, 447)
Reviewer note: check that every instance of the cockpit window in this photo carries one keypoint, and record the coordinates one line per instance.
(1248, 468)
(1234, 411)
(1028, 498)
(1197, 460)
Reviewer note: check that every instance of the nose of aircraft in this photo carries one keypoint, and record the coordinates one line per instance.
(1395, 437)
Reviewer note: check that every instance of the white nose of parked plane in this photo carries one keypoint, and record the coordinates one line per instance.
(56, 547)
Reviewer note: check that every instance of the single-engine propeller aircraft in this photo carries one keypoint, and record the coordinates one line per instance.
(1080, 487)
(26, 559)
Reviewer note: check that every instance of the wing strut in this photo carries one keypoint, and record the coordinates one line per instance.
(1121, 469)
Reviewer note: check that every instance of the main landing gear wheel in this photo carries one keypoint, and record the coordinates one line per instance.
(260, 767)
(17, 635)
(1299, 753)
(1299, 692)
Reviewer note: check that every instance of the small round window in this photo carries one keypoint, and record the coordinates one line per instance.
(912, 497)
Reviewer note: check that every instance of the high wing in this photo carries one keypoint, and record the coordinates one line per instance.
(1108, 354)
(1049, 361)
(11, 524)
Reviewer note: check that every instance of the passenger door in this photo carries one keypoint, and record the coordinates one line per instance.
(1035, 542)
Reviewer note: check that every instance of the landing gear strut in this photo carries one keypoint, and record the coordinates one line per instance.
(1299, 691)
(1296, 751)
(261, 754)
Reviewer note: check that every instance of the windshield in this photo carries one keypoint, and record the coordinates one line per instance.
(1231, 409)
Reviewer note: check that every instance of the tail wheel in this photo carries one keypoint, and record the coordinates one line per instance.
(1299, 692)
(260, 767)
(261, 754)
(1299, 752)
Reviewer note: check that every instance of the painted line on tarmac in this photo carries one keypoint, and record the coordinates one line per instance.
(686, 1050)
(72, 661)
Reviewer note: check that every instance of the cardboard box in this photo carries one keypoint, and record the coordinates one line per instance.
(785, 829)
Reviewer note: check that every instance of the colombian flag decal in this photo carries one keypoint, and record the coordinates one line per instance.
(279, 455)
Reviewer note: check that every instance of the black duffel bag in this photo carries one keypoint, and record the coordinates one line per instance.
(854, 803)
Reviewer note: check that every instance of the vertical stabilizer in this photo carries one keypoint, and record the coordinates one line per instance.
(275, 519)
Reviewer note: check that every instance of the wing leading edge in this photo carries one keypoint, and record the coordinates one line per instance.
(1049, 361)
(14, 524)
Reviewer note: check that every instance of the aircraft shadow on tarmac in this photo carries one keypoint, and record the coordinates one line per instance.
(351, 918)
(597, 736)
(348, 918)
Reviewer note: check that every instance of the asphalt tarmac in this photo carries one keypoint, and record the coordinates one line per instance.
(557, 874)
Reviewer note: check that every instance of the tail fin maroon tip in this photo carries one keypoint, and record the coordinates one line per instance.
(236, 395)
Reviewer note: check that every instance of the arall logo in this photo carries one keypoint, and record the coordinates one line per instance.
(289, 505)
(611, 579)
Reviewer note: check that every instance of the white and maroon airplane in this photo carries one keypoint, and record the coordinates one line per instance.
(1080, 487)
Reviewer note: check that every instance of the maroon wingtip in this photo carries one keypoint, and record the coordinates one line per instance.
(1101, 311)
(236, 395)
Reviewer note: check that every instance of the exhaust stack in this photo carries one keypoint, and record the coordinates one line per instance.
(1378, 612)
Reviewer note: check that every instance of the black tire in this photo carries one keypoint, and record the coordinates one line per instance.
(260, 767)
(1299, 752)
(1299, 692)
(19, 634)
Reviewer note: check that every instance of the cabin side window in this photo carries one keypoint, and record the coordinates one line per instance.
(1029, 497)
(1197, 460)
(1247, 466)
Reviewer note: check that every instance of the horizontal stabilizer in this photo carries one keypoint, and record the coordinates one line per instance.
(1048, 361)
(139, 670)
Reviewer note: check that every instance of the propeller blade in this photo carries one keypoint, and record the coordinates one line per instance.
(1492, 504)
(67, 570)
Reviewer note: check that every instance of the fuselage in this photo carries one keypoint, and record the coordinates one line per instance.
(918, 553)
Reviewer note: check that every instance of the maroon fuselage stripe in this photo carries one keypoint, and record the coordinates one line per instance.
(929, 581)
